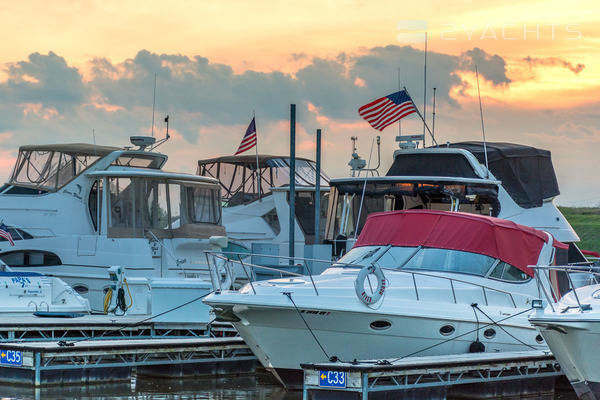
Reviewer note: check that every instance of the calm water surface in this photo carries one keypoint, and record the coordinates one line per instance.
(260, 387)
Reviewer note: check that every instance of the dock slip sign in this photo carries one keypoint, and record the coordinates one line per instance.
(332, 379)
(11, 357)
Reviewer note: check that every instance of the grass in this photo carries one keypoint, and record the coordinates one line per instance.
(586, 222)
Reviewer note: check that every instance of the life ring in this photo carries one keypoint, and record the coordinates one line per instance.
(359, 284)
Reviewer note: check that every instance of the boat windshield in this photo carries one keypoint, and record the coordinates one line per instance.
(240, 183)
(353, 201)
(138, 204)
(48, 170)
(431, 259)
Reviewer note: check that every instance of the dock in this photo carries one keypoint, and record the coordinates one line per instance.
(479, 375)
(42, 363)
(30, 328)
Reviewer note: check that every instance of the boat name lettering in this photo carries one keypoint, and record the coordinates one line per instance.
(21, 280)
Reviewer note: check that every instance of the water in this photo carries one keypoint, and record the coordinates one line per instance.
(259, 387)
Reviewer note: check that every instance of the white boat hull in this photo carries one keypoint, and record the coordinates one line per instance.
(348, 335)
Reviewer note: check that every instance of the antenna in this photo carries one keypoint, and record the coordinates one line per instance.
(94, 139)
(425, 91)
(153, 103)
(487, 170)
(433, 120)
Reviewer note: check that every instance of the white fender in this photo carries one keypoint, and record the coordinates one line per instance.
(359, 284)
(222, 270)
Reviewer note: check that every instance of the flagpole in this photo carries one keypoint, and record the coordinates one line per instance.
(425, 91)
(258, 177)
(421, 116)
(399, 89)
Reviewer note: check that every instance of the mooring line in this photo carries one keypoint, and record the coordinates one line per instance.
(64, 343)
(457, 337)
(476, 307)
(289, 296)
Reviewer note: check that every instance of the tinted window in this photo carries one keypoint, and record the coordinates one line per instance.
(30, 258)
(451, 261)
(508, 272)
(16, 234)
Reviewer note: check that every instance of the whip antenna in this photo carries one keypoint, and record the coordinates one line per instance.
(153, 103)
(487, 170)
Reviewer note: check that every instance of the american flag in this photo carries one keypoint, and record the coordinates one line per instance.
(249, 140)
(387, 110)
(6, 234)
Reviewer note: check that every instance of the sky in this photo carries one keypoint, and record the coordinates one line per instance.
(76, 71)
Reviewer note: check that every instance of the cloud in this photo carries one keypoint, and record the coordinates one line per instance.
(554, 61)
(491, 67)
(43, 79)
(43, 99)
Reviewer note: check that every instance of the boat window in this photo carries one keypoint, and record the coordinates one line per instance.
(95, 203)
(450, 261)
(398, 195)
(158, 206)
(203, 204)
(273, 221)
(305, 213)
(141, 204)
(16, 234)
(241, 184)
(139, 161)
(396, 257)
(48, 170)
(30, 258)
(359, 256)
(507, 272)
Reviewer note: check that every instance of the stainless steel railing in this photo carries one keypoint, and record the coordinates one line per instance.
(593, 271)
(228, 259)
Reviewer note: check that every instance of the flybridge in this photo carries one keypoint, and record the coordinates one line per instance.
(47, 168)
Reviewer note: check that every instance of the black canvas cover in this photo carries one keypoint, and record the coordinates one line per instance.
(432, 164)
(526, 172)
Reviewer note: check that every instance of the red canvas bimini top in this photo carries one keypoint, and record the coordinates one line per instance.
(515, 244)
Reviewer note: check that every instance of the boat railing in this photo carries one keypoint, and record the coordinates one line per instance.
(226, 261)
(484, 289)
(590, 273)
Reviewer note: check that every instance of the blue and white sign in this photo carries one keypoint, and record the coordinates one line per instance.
(332, 379)
(11, 357)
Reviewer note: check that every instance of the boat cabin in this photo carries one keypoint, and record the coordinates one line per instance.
(125, 191)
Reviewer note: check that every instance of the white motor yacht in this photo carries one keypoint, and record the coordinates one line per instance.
(75, 210)
(442, 280)
(571, 327)
(503, 180)
(256, 210)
